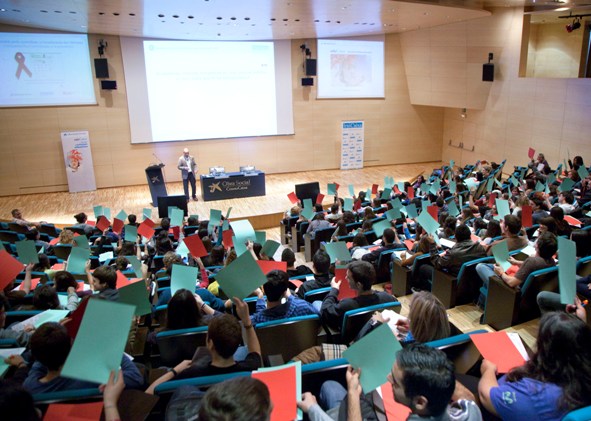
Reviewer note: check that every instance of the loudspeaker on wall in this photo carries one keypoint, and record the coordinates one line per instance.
(488, 72)
(101, 68)
(109, 84)
(307, 81)
(310, 67)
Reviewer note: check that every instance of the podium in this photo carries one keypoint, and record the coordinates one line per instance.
(156, 182)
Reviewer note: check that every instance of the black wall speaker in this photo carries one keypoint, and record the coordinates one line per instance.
(310, 67)
(101, 68)
(307, 81)
(488, 72)
(109, 84)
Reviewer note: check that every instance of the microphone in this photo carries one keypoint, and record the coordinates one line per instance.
(161, 164)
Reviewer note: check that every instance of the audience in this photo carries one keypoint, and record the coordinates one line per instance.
(320, 267)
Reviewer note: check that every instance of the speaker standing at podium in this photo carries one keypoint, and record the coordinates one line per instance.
(188, 166)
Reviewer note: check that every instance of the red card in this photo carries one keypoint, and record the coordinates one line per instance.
(572, 221)
(91, 223)
(498, 348)
(491, 200)
(296, 282)
(374, 189)
(475, 238)
(176, 232)
(149, 222)
(58, 266)
(293, 198)
(396, 189)
(410, 192)
(433, 211)
(145, 230)
(195, 246)
(282, 388)
(103, 223)
(409, 244)
(526, 216)
(227, 239)
(34, 283)
(531, 152)
(76, 318)
(122, 280)
(319, 198)
(74, 411)
(336, 186)
(394, 411)
(269, 265)
(345, 290)
(54, 241)
(118, 226)
(357, 205)
(10, 268)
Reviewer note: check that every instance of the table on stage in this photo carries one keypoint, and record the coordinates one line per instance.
(232, 185)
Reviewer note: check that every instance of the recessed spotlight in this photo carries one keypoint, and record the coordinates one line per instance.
(247, 18)
(160, 15)
(4, 10)
(55, 11)
(101, 13)
(115, 13)
(219, 18)
(72, 12)
(175, 16)
(132, 14)
(232, 18)
(190, 17)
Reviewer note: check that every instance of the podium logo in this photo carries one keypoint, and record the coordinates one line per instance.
(155, 179)
(214, 186)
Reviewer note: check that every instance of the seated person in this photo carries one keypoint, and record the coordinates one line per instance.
(320, 267)
(104, 280)
(422, 379)
(22, 337)
(81, 220)
(555, 380)
(317, 223)
(224, 335)
(361, 276)
(390, 241)
(546, 247)
(50, 346)
(288, 256)
(17, 218)
(34, 235)
(280, 303)
(510, 228)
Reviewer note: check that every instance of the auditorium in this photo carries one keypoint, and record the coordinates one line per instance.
(223, 203)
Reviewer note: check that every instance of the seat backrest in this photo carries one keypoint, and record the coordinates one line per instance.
(539, 280)
(77, 230)
(353, 320)
(49, 229)
(581, 414)
(158, 262)
(62, 251)
(459, 349)
(9, 236)
(178, 345)
(201, 382)
(316, 294)
(21, 229)
(315, 374)
(584, 266)
(20, 315)
(68, 396)
(281, 340)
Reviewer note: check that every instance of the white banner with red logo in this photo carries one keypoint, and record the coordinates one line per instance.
(78, 160)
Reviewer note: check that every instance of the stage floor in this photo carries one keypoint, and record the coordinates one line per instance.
(59, 208)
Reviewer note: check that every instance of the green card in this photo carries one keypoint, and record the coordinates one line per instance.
(471, 183)
(331, 189)
(401, 186)
(308, 204)
(567, 270)
(137, 265)
(375, 355)
(225, 225)
(77, 259)
(182, 249)
(243, 230)
(451, 164)
(261, 237)
(379, 227)
(270, 248)
(2, 245)
(583, 173)
(502, 207)
(386, 193)
(82, 241)
(435, 187)
(308, 213)
(338, 251)
(501, 253)
(26, 251)
(130, 233)
(410, 210)
(241, 277)
(136, 294)
(393, 214)
(514, 181)
(146, 213)
(368, 195)
(551, 178)
(107, 213)
(176, 217)
(103, 257)
(104, 323)
(169, 211)
(452, 209)
(215, 217)
(239, 246)
(566, 185)
(429, 224)
(121, 215)
(424, 187)
(425, 205)
(4, 354)
(351, 190)
(396, 203)
(183, 277)
(41, 318)
(227, 213)
(452, 187)
(498, 183)
(98, 211)
(539, 186)
(348, 204)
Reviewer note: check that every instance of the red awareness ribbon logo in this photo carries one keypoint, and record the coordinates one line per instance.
(20, 59)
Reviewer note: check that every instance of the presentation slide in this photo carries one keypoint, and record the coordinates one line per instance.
(190, 90)
(350, 68)
(45, 70)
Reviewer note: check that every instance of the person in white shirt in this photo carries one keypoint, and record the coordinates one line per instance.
(188, 166)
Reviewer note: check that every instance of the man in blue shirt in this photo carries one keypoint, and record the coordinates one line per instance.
(280, 303)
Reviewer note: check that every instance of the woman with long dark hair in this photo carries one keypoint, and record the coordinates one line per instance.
(555, 381)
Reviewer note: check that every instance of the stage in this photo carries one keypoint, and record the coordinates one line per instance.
(263, 211)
